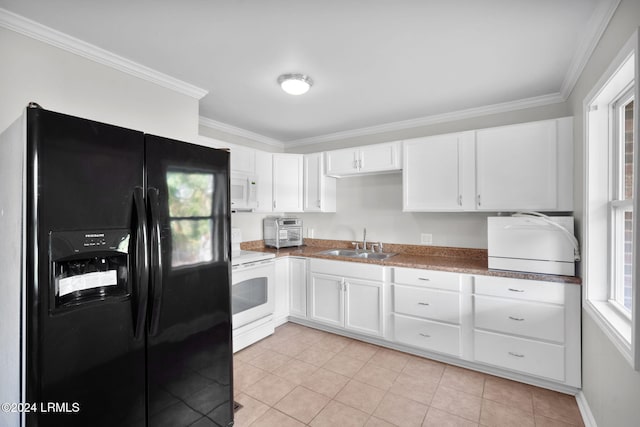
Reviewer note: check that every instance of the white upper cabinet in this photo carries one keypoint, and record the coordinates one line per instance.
(519, 167)
(264, 176)
(287, 182)
(319, 189)
(437, 173)
(243, 159)
(524, 166)
(370, 159)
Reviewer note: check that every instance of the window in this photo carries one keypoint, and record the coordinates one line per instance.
(610, 267)
(621, 215)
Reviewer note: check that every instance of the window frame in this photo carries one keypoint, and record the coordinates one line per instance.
(621, 327)
(619, 204)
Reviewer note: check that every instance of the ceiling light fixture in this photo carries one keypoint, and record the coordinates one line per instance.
(295, 84)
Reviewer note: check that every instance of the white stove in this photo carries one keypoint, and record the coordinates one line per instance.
(252, 298)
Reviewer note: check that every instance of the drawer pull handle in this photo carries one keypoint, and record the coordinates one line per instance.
(517, 319)
(516, 290)
(424, 278)
(516, 354)
(423, 303)
(425, 335)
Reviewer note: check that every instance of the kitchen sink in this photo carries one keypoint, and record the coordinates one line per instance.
(375, 255)
(357, 254)
(340, 252)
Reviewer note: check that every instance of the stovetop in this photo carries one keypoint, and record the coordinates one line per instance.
(245, 257)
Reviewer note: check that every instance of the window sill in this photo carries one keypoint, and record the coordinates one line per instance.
(615, 325)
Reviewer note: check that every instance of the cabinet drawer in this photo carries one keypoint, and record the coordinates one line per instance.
(347, 269)
(429, 278)
(529, 319)
(427, 335)
(532, 290)
(427, 303)
(519, 354)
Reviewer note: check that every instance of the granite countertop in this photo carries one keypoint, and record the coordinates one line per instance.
(457, 260)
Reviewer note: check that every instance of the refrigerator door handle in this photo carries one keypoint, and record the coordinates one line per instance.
(156, 261)
(141, 281)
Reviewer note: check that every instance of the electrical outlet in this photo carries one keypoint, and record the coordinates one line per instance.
(426, 239)
(310, 233)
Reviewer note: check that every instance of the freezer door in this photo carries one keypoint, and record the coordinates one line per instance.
(85, 365)
(189, 327)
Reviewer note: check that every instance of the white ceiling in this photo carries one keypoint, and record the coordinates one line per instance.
(373, 62)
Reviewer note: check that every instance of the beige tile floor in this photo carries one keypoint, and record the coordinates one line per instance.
(304, 377)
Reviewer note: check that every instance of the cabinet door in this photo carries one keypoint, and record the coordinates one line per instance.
(379, 158)
(319, 190)
(363, 306)
(243, 159)
(436, 175)
(517, 167)
(281, 291)
(326, 299)
(312, 182)
(342, 162)
(298, 287)
(287, 182)
(264, 175)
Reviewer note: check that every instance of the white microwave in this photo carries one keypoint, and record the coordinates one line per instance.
(243, 189)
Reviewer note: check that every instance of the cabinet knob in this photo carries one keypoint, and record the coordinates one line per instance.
(479, 200)
(424, 278)
(517, 319)
(424, 335)
(423, 303)
(516, 290)
(515, 354)
(460, 200)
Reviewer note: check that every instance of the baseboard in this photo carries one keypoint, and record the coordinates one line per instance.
(585, 410)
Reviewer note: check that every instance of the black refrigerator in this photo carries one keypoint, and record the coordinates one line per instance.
(115, 297)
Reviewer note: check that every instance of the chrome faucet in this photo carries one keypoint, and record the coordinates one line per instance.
(364, 239)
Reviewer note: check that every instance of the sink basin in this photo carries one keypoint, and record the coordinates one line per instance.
(356, 254)
(340, 252)
(375, 255)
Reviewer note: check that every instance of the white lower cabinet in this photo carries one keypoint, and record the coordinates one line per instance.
(298, 287)
(523, 329)
(538, 358)
(363, 306)
(529, 327)
(326, 302)
(337, 298)
(427, 335)
(427, 310)
(281, 306)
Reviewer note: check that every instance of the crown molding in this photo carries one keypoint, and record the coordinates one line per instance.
(596, 26)
(233, 130)
(35, 30)
(504, 107)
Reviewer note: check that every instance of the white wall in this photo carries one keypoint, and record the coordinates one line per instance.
(375, 202)
(62, 81)
(611, 387)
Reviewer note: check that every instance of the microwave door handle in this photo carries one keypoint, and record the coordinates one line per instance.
(156, 262)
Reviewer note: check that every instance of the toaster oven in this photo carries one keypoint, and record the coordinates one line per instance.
(282, 232)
